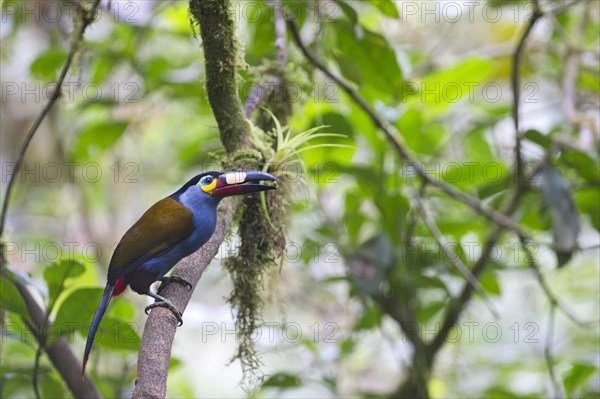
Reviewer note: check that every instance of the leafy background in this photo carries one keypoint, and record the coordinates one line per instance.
(134, 123)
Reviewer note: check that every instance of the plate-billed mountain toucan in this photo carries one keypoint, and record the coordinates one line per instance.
(170, 230)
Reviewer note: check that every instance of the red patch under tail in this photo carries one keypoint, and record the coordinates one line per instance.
(120, 286)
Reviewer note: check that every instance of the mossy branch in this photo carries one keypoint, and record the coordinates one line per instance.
(217, 30)
(220, 51)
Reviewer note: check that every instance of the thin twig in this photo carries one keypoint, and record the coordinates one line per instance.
(562, 8)
(452, 256)
(36, 366)
(86, 20)
(556, 389)
(533, 264)
(590, 248)
(409, 283)
(459, 303)
(516, 82)
(402, 151)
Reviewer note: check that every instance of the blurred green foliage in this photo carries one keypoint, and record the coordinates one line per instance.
(135, 120)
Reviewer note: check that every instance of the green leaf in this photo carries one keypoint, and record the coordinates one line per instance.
(51, 388)
(13, 328)
(56, 275)
(13, 385)
(370, 264)
(101, 69)
(538, 138)
(11, 300)
(97, 137)
(174, 363)
(442, 88)
(394, 208)
(421, 136)
(354, 220)
(387, 7)
(429, 282)
(77, 311)
(347, 346)
(588, 201)
(47, 65)
(117, 334)
(348, 11)
(429, 311)
(585, 166)
(478, 147)
(370, 318)
(589, 80)
(310, 345)
(327, 158)
(500, 392)
(489, 282)
(365, 56)
(494, 187)
(282, 380)
(577, 377)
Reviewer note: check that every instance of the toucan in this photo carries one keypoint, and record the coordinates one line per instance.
(170, 230)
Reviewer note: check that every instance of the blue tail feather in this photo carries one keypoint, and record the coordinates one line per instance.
(102, 306)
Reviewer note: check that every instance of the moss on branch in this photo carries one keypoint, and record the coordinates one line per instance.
(217, 29)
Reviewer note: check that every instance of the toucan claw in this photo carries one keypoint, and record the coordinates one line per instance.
(173, 279)
(161, 302)
(168, 305)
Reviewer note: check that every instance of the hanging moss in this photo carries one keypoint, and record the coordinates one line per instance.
(261, 245)
(246, 147)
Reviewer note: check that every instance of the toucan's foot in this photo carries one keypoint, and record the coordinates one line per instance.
(173, 279)
(164, 303)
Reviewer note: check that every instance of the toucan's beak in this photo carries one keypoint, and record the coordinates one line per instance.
(243, 182)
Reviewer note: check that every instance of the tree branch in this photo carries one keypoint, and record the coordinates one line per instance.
(556, 387)
(452, 256)
(459, 303)
(217, 30)
(60, 354)
(220, 52)
(86, 20)
(516, 82)
(402, 151)
(160, 327)
(552, 298)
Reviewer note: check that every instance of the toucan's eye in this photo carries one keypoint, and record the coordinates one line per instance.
(207, 180)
